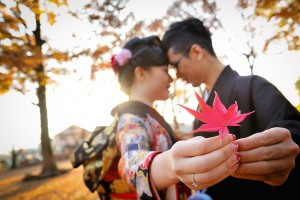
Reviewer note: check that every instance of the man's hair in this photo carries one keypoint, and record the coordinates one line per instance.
(183, 34)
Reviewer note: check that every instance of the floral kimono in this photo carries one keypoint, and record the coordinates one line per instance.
(140, 138)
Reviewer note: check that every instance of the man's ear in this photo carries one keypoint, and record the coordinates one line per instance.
(196, 51)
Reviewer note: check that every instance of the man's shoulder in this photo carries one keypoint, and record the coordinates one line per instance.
(250, 79)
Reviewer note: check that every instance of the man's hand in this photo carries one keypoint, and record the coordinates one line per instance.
(268, 156)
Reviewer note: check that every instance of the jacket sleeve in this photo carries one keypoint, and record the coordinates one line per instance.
(272, 109)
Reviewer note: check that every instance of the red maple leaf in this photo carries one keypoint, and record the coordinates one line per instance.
(217, 118)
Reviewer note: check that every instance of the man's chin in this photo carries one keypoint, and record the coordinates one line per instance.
(195, 84)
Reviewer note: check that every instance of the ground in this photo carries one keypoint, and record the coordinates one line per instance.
(69, 185)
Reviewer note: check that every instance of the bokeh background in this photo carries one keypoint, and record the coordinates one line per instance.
(55, 55)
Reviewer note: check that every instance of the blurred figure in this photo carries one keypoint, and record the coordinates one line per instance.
(153, 162)
(268, 139)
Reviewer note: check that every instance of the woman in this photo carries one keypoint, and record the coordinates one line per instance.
(153, 163)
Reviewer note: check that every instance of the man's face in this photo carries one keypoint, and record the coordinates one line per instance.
(185, 64)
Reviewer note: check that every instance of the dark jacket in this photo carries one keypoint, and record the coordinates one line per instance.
(272, 109)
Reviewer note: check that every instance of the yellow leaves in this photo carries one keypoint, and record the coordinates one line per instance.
(32, 40)
(100, 50)
(51, 18)
(32, 61)
(42, 78)
(5, 82)
(59, 2)
(58, 56)
(20, 55)
(14, 27)
(36, 11)
(14, 47)
(285, 16)
(34, 7)
(4, 35)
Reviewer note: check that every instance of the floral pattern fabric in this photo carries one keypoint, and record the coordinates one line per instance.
(140, 140)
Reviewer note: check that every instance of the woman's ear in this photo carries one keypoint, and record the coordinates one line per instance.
(139, 73)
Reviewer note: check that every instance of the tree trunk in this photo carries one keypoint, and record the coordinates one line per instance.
(13, 159)
(48, 164)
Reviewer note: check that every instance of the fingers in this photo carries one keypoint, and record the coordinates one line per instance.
(264, 153)
(207, 162)
(267, 156)
(200, 146)
(210, 159)
(265, 138)
(213, 176)
(274, 179)
(272, 144)
(204, 162)
(220, 172)
(266, 167)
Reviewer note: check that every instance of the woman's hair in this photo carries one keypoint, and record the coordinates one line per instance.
(183, 34)
(142, 52)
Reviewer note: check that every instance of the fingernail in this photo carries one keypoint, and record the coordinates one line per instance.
(234, 146)
(236, 156)
(233, 137)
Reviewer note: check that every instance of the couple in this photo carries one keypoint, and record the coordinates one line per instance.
(255, 161)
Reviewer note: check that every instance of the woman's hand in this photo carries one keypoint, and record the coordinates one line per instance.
(202, 162)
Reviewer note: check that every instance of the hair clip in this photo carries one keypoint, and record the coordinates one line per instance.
(120, 59)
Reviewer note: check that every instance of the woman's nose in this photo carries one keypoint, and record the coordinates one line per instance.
(178, 75)
(170, 78)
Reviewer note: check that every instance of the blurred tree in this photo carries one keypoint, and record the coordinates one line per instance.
(25, 49)
(205, 10)
(22, 60)
(281, 16)
(112, 27)
(284, 14)
(14, 155)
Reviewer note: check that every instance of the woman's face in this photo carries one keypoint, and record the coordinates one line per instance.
(158, 82)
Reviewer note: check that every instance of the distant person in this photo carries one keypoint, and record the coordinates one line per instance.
(153, 162)
(268, 139)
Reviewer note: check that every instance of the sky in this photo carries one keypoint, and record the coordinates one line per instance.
(88, 103)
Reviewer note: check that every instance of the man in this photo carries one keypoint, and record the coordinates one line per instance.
(268, 139)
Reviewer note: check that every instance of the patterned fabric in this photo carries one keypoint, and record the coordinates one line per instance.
(140, 139)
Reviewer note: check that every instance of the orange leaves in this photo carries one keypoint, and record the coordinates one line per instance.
(284, 15)
(5, 82)
(59, 2)
(58, 56)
